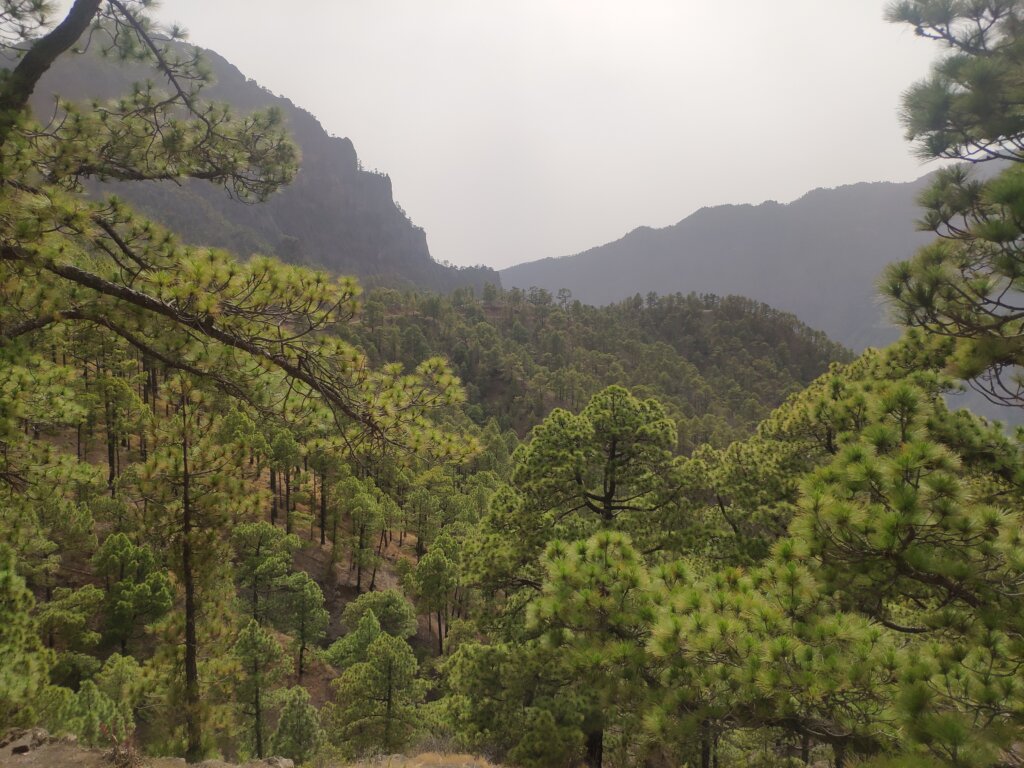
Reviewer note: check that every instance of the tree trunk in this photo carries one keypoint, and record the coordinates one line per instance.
(323, 510)
(258, 721)
(440, 635)
(273, 496)
(595, 748)
(111, 445)
(287, 500)
(51, 640)
(334, 536)
(154, 386)
(194, 750)
(359, 561)
(388, 711)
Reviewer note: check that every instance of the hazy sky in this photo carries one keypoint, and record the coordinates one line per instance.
(518, 129)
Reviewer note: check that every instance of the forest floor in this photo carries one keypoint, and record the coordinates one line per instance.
(41, 751)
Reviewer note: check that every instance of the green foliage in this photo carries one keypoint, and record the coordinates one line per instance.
(965, 285)
(305, 616)
(610, 467)
(260, 657)
(515, 699)
(614, 459)
(392, 611)
(434, 582)
(263, 555)
(351, 649)
(89, 714)
(377, 698)
(644, 581)
(26, 662)
(597, 605)
(298, 735)
(121, 680)
(138, 592)
(67, 616)
(719, 365)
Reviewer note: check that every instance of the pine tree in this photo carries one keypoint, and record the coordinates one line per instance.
(351, 649)
(299, 735)
(393, 612)
(26, 662)
(304, 617)
(435, 580)
(191, 491)
(516, 699)
(367, 516)
(613, 461)
(137, 591)
(96, 719)
(377, 698)
(964, 285)
(597, 604)
(263, 561)
(260, 657)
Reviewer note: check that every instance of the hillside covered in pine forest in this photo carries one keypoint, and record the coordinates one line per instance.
(253, 512)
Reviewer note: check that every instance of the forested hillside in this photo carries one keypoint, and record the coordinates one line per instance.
(334, 215)
(247, 509)
(719, 364)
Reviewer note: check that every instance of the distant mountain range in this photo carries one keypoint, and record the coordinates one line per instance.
(819, 257)
(335, 215)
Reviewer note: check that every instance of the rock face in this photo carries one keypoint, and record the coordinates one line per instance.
(334, 215)
(21, 742)
(35, 748)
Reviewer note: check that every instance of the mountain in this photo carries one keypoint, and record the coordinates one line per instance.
(334, 215)
(818, 257)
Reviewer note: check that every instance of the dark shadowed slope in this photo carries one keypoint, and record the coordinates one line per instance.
(818, 257)
(334, 215)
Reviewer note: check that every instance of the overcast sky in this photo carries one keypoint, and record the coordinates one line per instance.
(519, 129)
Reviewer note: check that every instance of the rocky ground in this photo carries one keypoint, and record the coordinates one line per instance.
(35, 748)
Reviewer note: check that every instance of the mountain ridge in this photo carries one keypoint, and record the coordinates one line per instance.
(335, 214)
(829, 244)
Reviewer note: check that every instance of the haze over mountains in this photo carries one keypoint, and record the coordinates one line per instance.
(818, 257)
(334, 215)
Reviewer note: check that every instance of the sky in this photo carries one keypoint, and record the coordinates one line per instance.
(519, 129)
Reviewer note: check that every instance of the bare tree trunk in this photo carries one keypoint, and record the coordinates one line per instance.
(323, 510)
(108, 412)
(273, 496)
(595, 749)
(287, 500)
(258, 718)
(194, 749)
